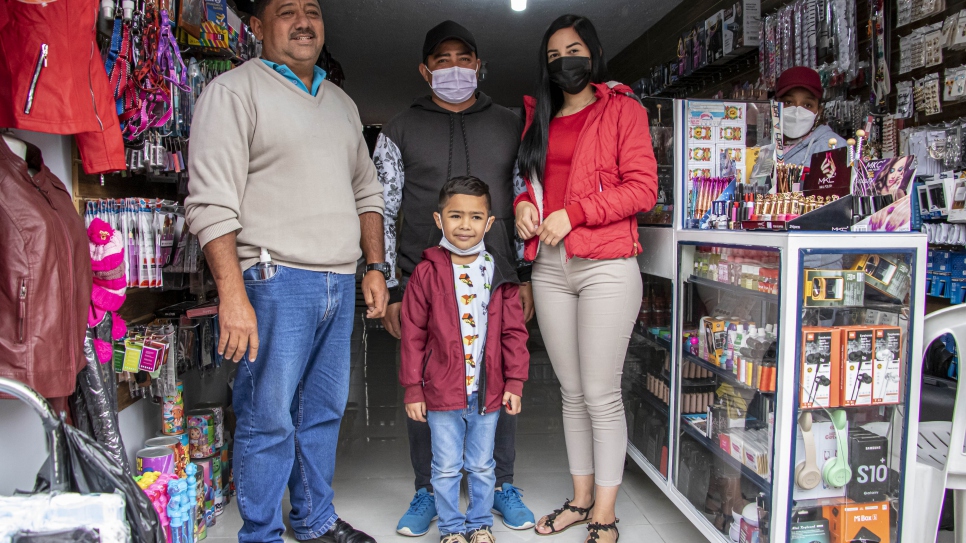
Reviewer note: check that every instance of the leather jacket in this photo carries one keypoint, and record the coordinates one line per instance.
(45, 277)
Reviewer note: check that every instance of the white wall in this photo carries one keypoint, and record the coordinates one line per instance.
(56, 153)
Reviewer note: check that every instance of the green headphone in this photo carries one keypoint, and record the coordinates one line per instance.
(836, 471)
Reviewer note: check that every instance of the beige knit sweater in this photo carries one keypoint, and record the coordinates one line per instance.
(286, 170)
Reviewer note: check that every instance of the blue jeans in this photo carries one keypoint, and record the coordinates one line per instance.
(463, 439)
(289, 402)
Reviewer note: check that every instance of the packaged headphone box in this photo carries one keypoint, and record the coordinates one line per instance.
(834, 288)
(815, 531)
(887, 366)
(855, 386)
(821, 351)
(868, 459)
(867, 522)
(890, 277)
(715, 338)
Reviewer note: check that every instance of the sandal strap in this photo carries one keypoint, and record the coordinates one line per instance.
(596, 527)
(552, 517)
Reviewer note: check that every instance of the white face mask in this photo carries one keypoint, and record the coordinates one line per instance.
(454, 85)
(797, 121)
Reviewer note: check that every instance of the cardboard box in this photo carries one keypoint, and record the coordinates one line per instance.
(855, 386)
(834, 288)
(887, 368)
(816, 531)
(888, 276)
(868, 458)
(715, 337)
(741, 23)
(820, 365)
(858, 522)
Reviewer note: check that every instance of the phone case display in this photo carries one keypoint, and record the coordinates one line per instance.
(853, 375)
(730, 321)
(660, 112)
(647, 376)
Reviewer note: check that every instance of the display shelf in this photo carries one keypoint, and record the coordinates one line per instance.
(723, 373)
(760, 482)
(655, 341)
(740, 291)
(655, 402)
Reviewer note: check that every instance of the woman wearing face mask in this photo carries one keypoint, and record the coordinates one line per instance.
(589, 168)
(799, 89)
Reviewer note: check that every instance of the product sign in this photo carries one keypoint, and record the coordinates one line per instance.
(829, 174)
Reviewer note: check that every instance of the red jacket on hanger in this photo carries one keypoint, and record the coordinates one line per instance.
(45, 277)
(612, 178)
(52, 78)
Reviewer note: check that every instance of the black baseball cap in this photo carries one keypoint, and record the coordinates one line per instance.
(447, 30)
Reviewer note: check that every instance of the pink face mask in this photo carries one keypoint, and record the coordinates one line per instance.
(454, 85)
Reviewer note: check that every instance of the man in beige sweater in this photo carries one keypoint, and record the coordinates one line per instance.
(280, 171)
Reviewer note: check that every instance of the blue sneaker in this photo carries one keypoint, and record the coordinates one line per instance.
(508, 503)
(421, 513)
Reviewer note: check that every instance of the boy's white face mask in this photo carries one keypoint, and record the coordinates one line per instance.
(797, 121)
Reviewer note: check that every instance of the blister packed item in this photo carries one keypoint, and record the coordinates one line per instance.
(64, 511)
(905, 102)
(933, 45)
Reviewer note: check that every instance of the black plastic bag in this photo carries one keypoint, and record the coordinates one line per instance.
(89, 468)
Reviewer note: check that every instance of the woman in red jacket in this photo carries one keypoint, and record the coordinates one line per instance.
(589, 168)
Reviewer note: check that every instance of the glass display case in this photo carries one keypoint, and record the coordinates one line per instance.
(646, 381)
(725, 406)
(852, 369)
(660, 114)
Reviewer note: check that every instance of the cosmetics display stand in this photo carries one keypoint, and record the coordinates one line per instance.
(771, 384)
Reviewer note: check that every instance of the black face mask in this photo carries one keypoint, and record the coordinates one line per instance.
(571, 74)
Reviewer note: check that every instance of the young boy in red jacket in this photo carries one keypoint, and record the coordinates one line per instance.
(463, 354)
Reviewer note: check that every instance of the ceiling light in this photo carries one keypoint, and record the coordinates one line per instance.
(518, 5)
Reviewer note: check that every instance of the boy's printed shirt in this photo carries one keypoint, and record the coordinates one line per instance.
(472, 298)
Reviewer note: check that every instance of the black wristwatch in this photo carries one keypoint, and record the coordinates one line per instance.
(380, 267)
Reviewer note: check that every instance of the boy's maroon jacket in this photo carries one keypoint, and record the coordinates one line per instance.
(432, 368)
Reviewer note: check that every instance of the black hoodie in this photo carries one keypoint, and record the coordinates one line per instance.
(423, 147)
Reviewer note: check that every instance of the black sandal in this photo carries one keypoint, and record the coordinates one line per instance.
(566, 507)
(596, 527)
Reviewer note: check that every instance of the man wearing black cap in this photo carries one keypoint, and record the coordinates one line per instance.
(455, 131)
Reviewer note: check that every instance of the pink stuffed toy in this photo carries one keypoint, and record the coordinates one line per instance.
(110, 283)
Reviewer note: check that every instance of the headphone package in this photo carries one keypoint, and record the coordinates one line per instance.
(821, 353)
(855, 386)
(866, 522)
(886, 374)
(815, 531)
(868, 457)
(892, 278)
(834, 288)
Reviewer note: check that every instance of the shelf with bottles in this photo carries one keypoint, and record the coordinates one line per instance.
(746, 272)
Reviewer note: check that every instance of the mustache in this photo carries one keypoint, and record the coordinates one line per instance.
(303, 32)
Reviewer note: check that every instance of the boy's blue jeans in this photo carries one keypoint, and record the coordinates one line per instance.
(463, 439)
(289, 402)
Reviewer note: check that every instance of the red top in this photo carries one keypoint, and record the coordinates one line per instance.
(561, 144)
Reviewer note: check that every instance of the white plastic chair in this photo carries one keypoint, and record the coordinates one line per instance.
(941, 459)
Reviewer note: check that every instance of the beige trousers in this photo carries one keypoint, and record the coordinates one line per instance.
(586, 310)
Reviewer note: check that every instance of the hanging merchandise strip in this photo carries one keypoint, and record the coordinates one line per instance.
(159, 244)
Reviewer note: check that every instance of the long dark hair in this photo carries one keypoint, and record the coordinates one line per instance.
(533, 149)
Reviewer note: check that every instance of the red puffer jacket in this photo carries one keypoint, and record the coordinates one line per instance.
(432, 367)
(52, 78)
(612, 178)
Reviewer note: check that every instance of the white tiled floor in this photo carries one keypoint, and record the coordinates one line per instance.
(374, 478)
